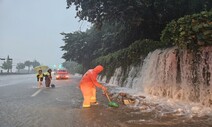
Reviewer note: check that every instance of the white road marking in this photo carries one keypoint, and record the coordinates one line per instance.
(36, 93)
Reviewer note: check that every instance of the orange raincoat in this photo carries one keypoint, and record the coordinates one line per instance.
(88, 85)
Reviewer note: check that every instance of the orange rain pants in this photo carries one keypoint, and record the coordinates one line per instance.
(89, 95)
(88, 86)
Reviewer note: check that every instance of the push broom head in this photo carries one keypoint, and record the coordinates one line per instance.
(113, 104)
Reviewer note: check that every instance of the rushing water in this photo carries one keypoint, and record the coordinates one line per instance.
(177, 85)
(148, 110)
(178, 74)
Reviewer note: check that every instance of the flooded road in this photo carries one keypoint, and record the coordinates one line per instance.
(22, 104)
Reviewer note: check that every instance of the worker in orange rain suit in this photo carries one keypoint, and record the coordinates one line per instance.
(88, 86)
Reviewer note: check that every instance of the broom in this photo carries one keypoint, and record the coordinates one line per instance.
(111, 103)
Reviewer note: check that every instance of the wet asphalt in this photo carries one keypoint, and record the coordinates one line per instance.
(22, 104)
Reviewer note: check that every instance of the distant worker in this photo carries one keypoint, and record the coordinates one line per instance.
(88, 86)
(48, 77)
(40, 78)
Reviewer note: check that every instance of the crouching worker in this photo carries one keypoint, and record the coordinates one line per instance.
(48, 77)
(88, 86)
(40, 78)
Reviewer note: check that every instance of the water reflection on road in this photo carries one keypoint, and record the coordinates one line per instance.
(61, 107)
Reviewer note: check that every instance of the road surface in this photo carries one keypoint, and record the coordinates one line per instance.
(22, 104)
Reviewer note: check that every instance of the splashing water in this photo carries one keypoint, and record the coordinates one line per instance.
(177, 85)
(173, 73)
(154, 110)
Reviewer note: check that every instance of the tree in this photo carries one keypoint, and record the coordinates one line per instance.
(83, 47)
(28, 64)
(35, 63)
(20, 66)
(149, 16)
(76, 47)
(7, 65)
(120, 23)
(73, 67)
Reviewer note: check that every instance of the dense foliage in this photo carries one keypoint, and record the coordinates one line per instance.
(7, 65)
(73, 67)
(79, 47)
(20, 66)
(29, 63)
(121, 23)
(127, 56)
(83, 47)
(35, 63)
(148, 17)
(190, 31)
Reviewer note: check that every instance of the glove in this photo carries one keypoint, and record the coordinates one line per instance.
(104, 88)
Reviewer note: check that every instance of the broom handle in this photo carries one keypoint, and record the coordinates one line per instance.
(107, 96)
(104, 91)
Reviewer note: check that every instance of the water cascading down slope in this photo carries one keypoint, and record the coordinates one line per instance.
(174, 73)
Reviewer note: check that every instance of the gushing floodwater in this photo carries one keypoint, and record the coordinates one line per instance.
(157, 111)
(177, 85)
(180, 75)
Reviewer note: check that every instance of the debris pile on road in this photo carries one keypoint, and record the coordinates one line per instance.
(161, 107)
(127, 99)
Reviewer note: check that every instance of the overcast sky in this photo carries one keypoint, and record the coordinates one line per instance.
(30, 29)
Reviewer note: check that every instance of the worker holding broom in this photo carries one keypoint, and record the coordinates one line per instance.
(88, 86)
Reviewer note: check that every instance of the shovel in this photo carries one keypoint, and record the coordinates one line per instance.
(111, 103)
